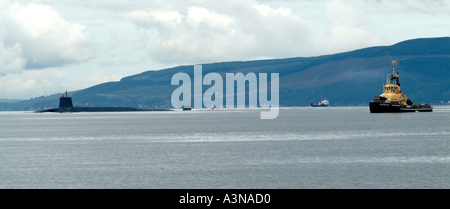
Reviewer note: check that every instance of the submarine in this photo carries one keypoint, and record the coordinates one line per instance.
(66, 105)
(393, 100)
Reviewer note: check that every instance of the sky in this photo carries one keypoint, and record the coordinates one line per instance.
(50, 46)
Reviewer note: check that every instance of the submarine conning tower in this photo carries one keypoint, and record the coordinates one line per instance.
(65, 101)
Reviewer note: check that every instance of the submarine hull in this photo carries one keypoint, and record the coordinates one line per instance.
(97, 109)
(386, 107)
(66, 105)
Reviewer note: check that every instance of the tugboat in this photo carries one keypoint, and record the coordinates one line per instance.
(392, 99)
(323, 103)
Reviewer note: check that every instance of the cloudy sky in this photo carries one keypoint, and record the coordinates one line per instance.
(49, 46)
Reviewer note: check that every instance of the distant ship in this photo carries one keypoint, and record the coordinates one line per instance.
(392, 99)
(323, 103)
(66, 105)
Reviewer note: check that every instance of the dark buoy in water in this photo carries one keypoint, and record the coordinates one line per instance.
(187, 107)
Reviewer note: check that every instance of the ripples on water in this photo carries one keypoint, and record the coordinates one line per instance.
(336, 147)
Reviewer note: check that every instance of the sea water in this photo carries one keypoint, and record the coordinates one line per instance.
(304, 147)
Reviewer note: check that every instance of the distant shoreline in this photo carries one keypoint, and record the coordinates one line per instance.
(10, 100)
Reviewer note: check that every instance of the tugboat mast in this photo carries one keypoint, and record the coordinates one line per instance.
(393, 78)
(393, 66)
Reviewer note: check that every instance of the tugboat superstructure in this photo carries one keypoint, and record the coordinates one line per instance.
(393, 100)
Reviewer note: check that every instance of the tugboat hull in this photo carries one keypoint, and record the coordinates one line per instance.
(377, 107)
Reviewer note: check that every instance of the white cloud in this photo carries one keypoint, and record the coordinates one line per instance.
(140, 39)
(113, 40)
(235, 30)
(45, 38)
(422, 6)
(11, 59)
(347, 29)
(98, 76)
(31, 83)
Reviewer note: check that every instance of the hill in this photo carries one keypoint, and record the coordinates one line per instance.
(349, 78)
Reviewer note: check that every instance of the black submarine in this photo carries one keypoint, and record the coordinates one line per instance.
(66, 105)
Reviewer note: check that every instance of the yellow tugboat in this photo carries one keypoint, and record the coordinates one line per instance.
(393, 100)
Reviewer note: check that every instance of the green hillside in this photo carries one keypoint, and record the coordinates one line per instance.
(349, 78)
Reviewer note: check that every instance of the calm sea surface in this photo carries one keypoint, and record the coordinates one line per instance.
(335, 147)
